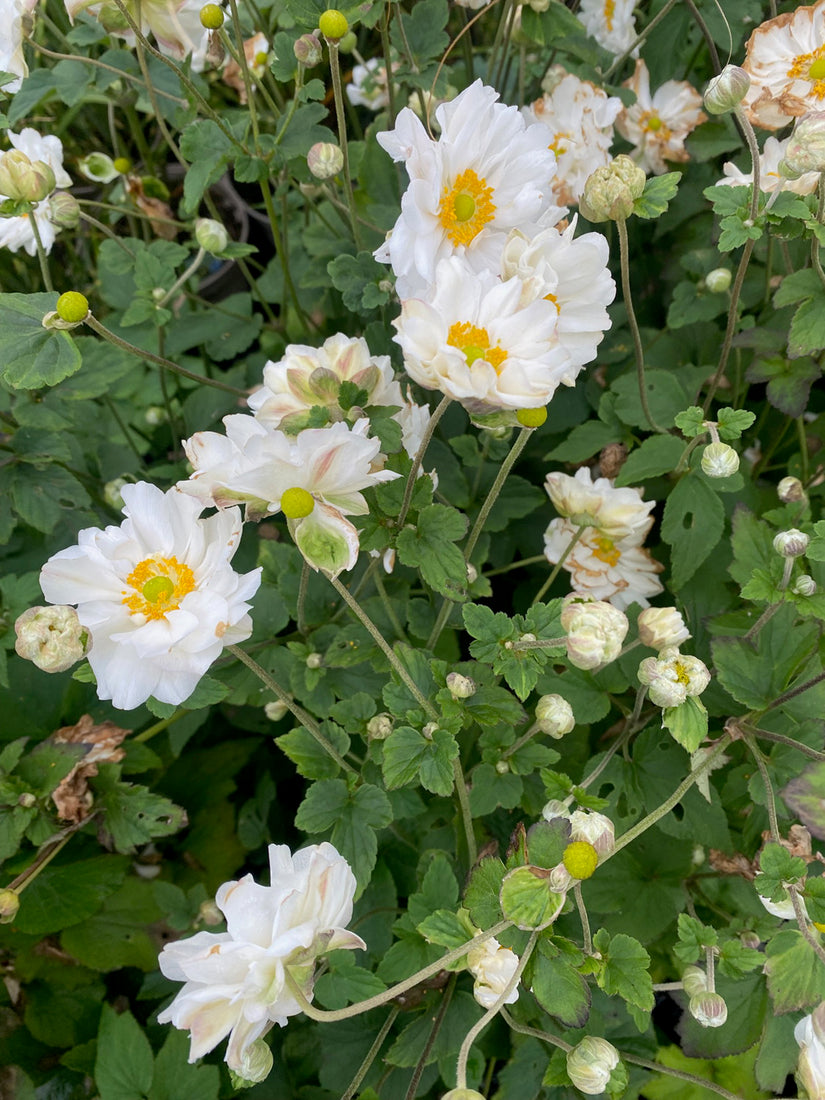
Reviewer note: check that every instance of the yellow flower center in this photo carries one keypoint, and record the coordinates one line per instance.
(557, 143)
(606, 550)
(158, 586)
(653, 125)
(682, 675)
(475, 343)
(580, 858)
(552, 298)
(466, 208)
(297, 503)
(609, 9)
(811, 66)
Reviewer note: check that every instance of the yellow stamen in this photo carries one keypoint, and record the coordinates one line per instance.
(158, 585)
(682, 676)
(556, 144)
(466, 207)
(606, 550)
(609, 10)
(475, 343)
(811, 66)
(552, 298)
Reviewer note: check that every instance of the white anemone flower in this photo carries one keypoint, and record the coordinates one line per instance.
(574, 276)
(611, 23)
(658, 124)
(308, 377)
(785, 59)
(673, 676)
(471, 340)
(595, 631)
(580, 119)
(16, 233)
(492, 966)
(315, 478)
(175, 24)
(157, 594)
(810, 1035)
(369, 85)
(770, 178)
(489, 172)
(236, 981)
(619, 571)
(12, 60)
(615, 513)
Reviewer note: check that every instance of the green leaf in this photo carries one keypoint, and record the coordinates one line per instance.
(657, 455)
(352, 816)
(736, 960)
(561, 990)
(133, 815)
(408, 755)
(346, 983)
(658, 192)
(789, 380)
(693, 522)
(548, 26)
(175, 1079)
(444, 928)
(527, 900)
(546, 841)
(796, 977)
(65, 895)
(208, 150)
(482, 894)
(359, 279)
(625, 972)
(688, 723)
(32, 356)
(118, 935)
(585, 441)
(423, 31)
(310, 758)
(755, 674)
(489, 789)
(431, 549)
(777, 867)
(693, 303)
(124, 1065)
(41, 496)
(732, 422)
(665, 394)
(691, 422)
(693, 938)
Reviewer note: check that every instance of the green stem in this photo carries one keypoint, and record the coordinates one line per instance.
(495, 490)
(415, 1080)
(733, 315)
(780, 739)
(306, 720)
(178, 283)
(753, 149)
(371, 1055)
(158, 360)
(654, 22)
(159, 727)
(332, 1016)
(770, 801)
(624, 259)
(435, 416)
(793, 692)
(522, 741)
(41, 253)
(388, 607)
(244, 67)
(121, 74)
(44, 857)
(802, 921)
(587, 939)
(384, 28)
(491, 1013)
(546, 1036)
(520, 564)
(153, 100)
(302, 595)
(557, 568)
(338, 93)
(107, 232)
(803, 439)
(466, 815)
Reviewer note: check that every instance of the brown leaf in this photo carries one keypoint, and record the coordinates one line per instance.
(72, 796)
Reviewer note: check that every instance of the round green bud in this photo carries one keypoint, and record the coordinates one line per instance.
(580, 859)
(727, 90)
(718, 280)
(211, 235)
(531, 418)
(9, 904)
(307, 50)
(212, 17)
(297, 503)
(333, 25)
(72, 307)
(122, 165)
(348, 43)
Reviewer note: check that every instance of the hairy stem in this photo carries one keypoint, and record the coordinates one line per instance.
(624, 259)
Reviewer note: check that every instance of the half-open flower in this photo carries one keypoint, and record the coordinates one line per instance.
(16, 232)
(492, 966)
(810, 1034)
(617, 513)
(672, 677)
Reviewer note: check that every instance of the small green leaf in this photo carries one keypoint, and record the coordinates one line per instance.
(527, 900)
(625, 972)
(32, 356)
(688, 723)
(658, 192)
(561, 990)
(693, 522)
(657, 455)
(691, 422)
(732, 422)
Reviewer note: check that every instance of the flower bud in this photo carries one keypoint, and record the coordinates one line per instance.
(460, 687)
(610, 191)
(255, 1062)
(325, 160)
(333, 25)
(211, 235)
(791, 544)
(718, 280)
(462, 1094)
(661, 628)
(23, 179)
(593, 828)
(275, 710)
(492, 966)
(727, 90)
(155, 415)
(209, 913)
(111, 492)
(560, 880)
(9, 904)
(307, 50)
(805, 151)
(750, 939)
(790, 490)
(27, 800)
(98, 167)
(123, 165)
(804, 586)
(51, 637)
(314, 660)
(555, 808)
(595, 631)
(694, 981)
(64, 210)
(590, 1064)
(672, 677)
(502, 767)
(554, 716)
(379, 727)
(708, 1009)
(719, 460)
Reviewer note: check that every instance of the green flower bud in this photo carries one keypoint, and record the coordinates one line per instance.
(804, 586)
(325, 160)
(275, 710)
(25, 180)
(98, 167)
(694, 981)
(790, 490)
(718, 280)
(708, 1009)
(591, 1063)
(805, 151)
(64, 210)
(791, 544)
(307, 50)
(379, 727)
(727, 90)
(211, 235)
(333, 25)
(719, 460)
(72, 307)
(9, 904)
(610, 192)
(460, 687)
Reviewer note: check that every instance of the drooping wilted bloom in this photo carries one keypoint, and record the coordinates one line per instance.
(158, 595)
(580, 119)
(236, 981)
(620, 571)
(492, 966)
(657, 125)
(16, 232)
(770, 178)
(489, 172)
(785, 59)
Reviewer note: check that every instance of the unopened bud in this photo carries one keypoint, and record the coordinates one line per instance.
(708, 1009)
(98, 167)
(805, 151)
(472, 573)
(307, 50)
(791, 544)
(595, 631)
(64, 210)
(804, 586)
(661, 627)
(155, 415)
(428, 730)
(315, 660)
(211, 235)
(51, 637)
(112, 494)
(379, 727)
(555, 808)
(462, 1094)
(460, 687)
(255, 1062)
(554, 716)
(502, 767)
(790, 490)
(590, 1064)
(727, 90)
(275, 710)
(610, 191)
(593, 828)
(719, 460)
(25, 180)
(750, 939)
(9, 904)
(325, 160)
(718, 280)
(209, 913)
(694, 981)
